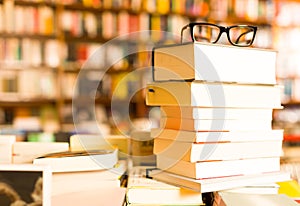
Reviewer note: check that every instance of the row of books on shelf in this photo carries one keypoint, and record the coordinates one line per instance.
(34, 123)
(287, 45)
(120, 55)
(82, 24)
(193, 7)
(285, 37)
(15, 86)
(290, 93)
(26, 53)
(26, 20)
(250, 9)
(43, 84)
(108, 24)
(287, 13)
(20, 53)
(289, 120)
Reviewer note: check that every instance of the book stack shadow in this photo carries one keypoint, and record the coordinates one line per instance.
(216, 105)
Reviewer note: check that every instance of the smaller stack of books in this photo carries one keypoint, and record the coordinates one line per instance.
(90, 172)
(216, 113)
(144, 191)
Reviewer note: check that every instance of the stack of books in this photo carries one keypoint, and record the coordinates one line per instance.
(145, 191)
(216, 115)
(90, 172)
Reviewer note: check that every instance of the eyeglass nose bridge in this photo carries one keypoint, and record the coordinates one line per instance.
(223, 29)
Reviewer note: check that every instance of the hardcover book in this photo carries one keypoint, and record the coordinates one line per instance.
(26, 152)
(195, 152)
(221, 168)
(210, 136)
(220, 183)
(229, 198)
(187, 112)
(214, 62)
(85, 181)
(79, 161)
(213, 94)
(144, 191)
(215, 124)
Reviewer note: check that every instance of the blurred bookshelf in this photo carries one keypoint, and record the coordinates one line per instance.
(44, 45)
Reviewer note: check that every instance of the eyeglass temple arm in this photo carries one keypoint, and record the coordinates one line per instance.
(181, 34)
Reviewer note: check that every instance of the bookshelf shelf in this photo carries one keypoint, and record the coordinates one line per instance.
(86, 39)
(291, 103)
(236, 20)
(24, 35)
(95, 9)
(33, 3)
(27, 103)
(133, 11)
(98, 100)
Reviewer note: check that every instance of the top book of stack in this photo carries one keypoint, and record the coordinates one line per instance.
(213, 62)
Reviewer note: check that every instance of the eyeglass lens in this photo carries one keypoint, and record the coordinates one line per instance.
(206, 33)
(241, 35)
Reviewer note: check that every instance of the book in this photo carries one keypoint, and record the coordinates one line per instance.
(215, 124)
(213, 62)
(26, 152)
(79, 161)
(209, 151)
(213, 94)
(144, 191)
(80, 142)
(116, 172)
(217, 184)
(210, 136)
(260, 188)
(223, 198)
(103, 196)
(68, 182)
(221, 168)
(141, 148)
(6, 142)
(216, 113)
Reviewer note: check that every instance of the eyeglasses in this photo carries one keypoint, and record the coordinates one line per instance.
(237, 35)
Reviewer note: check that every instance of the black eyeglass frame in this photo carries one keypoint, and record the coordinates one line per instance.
(222, 29)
